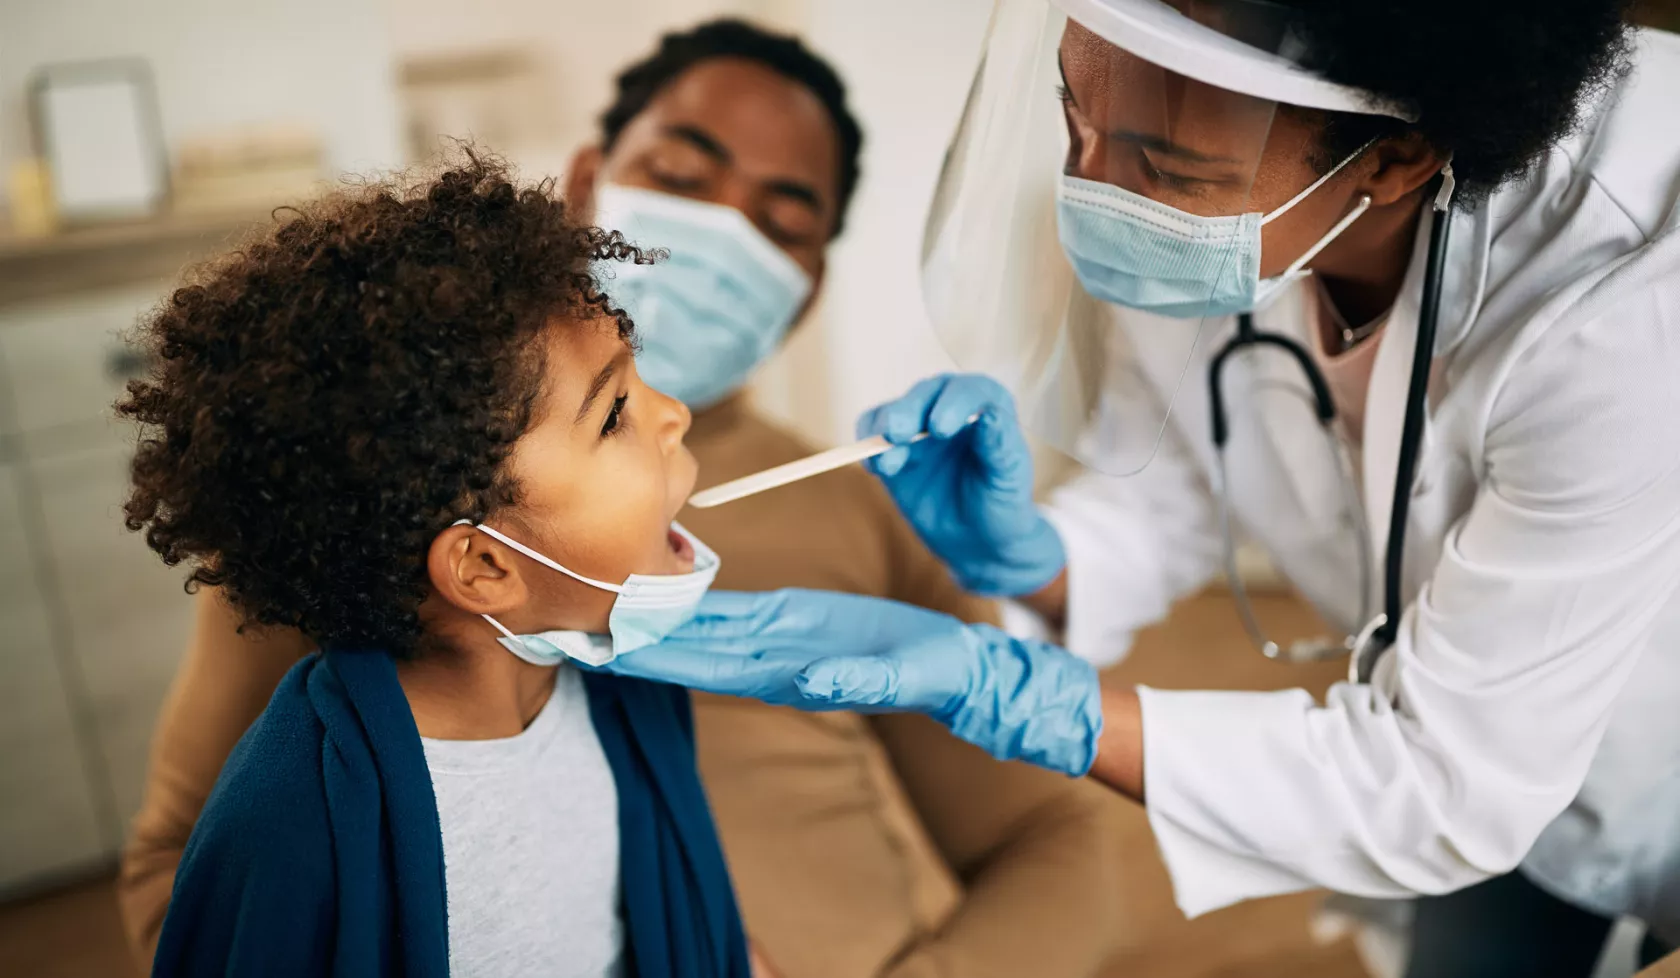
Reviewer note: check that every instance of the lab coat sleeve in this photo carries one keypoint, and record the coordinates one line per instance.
(1483, 718)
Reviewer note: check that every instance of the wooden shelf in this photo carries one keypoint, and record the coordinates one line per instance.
(110, 255)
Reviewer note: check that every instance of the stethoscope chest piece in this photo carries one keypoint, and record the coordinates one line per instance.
(1365, 648)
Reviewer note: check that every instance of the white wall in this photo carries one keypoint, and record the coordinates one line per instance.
(221, 63)
(579, 44)
(908, 67)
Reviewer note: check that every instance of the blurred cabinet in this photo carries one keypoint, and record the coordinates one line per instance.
(48, 820)
(93, 622)
(63, 360)
(129, 619)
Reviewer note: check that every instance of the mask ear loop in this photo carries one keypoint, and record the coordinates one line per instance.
(503, 629)
(1336, 230)
(539, 558)
(1321, 181)
(1334, 233)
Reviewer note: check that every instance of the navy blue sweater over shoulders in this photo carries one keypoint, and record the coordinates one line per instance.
(319, 852)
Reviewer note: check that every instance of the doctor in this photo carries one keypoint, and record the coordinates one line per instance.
(1392, 290)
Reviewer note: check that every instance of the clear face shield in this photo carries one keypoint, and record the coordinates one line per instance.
(1100, 212)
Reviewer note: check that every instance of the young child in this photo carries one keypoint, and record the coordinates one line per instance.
(406, 421)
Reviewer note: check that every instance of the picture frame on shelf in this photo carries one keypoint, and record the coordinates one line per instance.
(97, 126)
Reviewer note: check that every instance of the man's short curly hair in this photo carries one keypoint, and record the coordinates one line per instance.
(1494, 82)
(331, 395)
(640, 83)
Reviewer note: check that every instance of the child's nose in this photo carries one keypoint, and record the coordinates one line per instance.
(675, 419)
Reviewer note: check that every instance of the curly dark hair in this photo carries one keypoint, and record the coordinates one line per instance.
(641, 82)
(330, 396)
(1495, 83)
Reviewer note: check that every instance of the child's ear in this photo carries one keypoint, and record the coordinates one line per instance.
(580, 182)
(473, 572)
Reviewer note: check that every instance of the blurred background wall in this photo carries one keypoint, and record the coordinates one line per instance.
(220, 66)
(257, 101)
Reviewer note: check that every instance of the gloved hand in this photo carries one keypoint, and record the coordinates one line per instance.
(968, 487)
(818, 650)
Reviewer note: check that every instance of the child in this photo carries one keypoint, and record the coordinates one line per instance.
(406, 421)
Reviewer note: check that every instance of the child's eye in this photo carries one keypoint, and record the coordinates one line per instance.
(613, 416)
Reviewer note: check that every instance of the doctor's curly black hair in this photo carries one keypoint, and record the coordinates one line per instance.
(331, 395)
(1494, 82)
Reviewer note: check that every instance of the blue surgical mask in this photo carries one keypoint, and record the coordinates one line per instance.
(711, 311)
(648, 608)
(1139, 253)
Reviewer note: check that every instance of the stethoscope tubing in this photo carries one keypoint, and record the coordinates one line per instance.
(1411, 433)
(1379, 633)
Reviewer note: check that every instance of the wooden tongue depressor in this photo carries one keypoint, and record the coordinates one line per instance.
(804, 468)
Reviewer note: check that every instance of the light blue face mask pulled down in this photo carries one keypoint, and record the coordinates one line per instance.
(1142, 254)
(711, 311)
(648, 608)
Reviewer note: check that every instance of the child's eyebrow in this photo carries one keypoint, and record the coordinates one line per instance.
(599, 384)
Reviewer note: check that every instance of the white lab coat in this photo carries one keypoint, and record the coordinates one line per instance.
(1530, 710)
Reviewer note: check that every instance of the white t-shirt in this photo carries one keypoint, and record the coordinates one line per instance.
(530, 846)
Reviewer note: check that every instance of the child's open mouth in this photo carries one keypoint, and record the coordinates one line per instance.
(680, 546)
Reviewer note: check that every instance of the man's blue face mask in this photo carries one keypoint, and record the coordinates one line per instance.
(715, 307)
(1142, 254)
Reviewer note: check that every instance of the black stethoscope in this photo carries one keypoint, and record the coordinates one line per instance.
(1379, 631)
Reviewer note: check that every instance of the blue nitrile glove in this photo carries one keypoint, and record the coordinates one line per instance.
(818, 650)
(968, 487)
